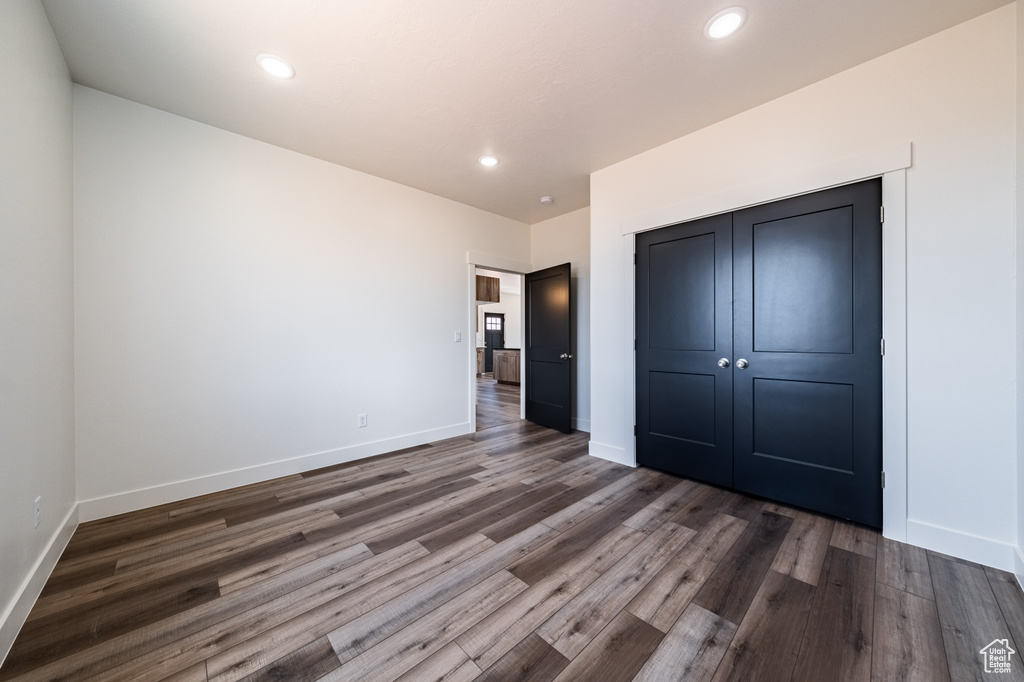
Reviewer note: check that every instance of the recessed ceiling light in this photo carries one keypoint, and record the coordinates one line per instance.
(488, 160)
(725, 23)
(275, 66)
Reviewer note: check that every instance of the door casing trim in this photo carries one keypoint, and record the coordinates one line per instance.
(890, 164)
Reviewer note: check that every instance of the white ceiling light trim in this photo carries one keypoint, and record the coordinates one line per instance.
(275, 66)
(725, 23)
(488, 160)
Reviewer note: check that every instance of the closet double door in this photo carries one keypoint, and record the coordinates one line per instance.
(759, 351)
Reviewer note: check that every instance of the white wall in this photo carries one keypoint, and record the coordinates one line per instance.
(953, 97)
(566, 239)
(1019, 558)
(36, 333)
(235, 308)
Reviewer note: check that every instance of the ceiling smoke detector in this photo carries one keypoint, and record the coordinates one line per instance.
(547, 201)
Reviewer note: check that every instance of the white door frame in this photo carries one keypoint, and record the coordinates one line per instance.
(889, 164)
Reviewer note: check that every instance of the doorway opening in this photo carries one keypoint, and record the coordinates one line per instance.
(499, 342)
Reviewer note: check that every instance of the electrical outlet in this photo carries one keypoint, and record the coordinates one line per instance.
(37, 512)
(362, 420)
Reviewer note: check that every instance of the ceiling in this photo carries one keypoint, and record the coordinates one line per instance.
(415, 91)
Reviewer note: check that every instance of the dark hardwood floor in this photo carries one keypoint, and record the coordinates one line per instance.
(508, 554)
(495, 403)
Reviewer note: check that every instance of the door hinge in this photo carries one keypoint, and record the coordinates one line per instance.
(634, 430)
(882, 346)
(881, 214)
(634, 258)
(634, 344)
(883, 479)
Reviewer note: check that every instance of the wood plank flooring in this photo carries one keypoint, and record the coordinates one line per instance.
(496, 403)
(508, 554)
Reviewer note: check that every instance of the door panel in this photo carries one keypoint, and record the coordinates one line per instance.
(803, 280)
(684, 399)
(547, 384)
(548, 381)
(807, 315)
(793, 289)
(685, 407)
(549, 297)
(685, 296)
(804, 422)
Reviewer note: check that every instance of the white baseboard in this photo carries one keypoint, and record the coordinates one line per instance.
(17, 613)
(610, 453)
(133, 500)
(581, 424)
(974, 548)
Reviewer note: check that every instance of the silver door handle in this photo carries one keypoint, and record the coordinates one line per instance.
(565, 356)
(742, 364)
(723, 363)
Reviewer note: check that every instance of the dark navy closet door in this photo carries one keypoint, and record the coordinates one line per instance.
(787, 296)
(684, 327)
(808, 322)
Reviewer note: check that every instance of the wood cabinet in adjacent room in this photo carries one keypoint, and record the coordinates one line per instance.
(480, 361)
(506, 365)
(488, 289)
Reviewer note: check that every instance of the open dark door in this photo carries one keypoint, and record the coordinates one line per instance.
(548, 351)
